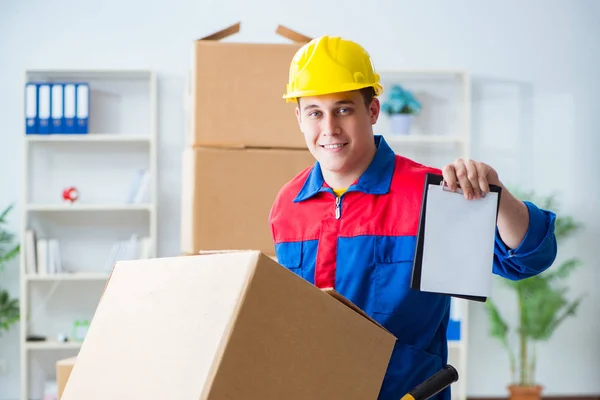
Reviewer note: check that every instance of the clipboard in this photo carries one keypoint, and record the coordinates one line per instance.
(455, 242)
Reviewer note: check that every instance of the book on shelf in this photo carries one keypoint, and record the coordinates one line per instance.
(129, 249)
(42, 255)
(139, 189)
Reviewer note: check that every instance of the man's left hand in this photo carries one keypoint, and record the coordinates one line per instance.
(473, 177)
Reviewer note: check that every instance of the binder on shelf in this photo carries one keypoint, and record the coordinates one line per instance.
(44, 103)
(30, 252)
(69, 108)
(455, 242)
(57, 117)
(31, 108)
(83, 108)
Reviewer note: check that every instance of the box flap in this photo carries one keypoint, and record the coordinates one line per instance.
(292, 35)
(281, 30)
(336, 295)
(223, 33)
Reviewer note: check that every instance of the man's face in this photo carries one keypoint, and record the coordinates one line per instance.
(338, 129)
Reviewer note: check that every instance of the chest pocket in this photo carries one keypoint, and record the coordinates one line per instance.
(393, 269)
(289, 254)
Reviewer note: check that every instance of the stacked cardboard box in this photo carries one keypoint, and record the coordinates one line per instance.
(244, 142)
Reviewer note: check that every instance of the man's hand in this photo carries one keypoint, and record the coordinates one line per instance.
(473, 177)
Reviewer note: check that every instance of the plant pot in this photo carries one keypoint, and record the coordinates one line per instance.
(525, 392)
(400, 124)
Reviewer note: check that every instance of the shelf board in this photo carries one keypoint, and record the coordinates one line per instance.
(426, 71)
(455, 344)
(112, 74)
(52, 345)
(88, 207)
(75, 276)
(90, 137)
(423, 139)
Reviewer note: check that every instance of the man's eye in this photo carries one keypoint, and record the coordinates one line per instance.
(314, 114)
(344, 111)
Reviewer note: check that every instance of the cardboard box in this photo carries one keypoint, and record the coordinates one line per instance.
(237, 91)
(227, 195)
(63, 371)
(232, 325)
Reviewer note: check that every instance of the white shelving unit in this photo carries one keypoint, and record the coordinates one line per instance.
(440, 134)
(102, 165)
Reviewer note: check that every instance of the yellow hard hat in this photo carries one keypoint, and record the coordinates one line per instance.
(330, 65)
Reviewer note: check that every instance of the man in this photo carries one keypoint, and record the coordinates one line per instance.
(350, 221)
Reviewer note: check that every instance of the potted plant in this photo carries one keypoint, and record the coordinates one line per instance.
(542, 306)
(401, 107)
(9, 307)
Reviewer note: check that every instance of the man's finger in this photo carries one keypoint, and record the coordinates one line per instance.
(482, 172)
(449, 175)
(472, 177)
(463, 180)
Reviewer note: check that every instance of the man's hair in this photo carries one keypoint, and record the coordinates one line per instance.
(367, 93)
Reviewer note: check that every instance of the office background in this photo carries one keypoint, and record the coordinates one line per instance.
(535, 117)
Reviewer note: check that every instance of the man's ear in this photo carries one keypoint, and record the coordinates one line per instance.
(298, 114)
(374, 110)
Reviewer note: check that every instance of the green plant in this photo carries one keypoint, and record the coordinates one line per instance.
(400, 101)
(541, 300)
(9, 308)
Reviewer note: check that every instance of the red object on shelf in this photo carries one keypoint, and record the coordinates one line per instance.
(71, 194)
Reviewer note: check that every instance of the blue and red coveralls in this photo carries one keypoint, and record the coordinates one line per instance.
(363, 243)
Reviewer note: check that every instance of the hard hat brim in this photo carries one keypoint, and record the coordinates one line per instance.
(292, 96)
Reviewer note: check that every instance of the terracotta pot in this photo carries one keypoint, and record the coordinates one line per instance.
(525, 392)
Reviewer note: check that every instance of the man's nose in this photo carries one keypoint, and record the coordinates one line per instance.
(330, 126)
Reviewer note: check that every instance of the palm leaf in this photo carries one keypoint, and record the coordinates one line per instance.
(498, 326)
(9, 308)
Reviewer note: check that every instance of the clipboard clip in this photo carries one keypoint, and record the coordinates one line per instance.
(445, 187)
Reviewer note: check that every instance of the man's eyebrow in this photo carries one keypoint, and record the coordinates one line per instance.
(337, 103)
(310, 106)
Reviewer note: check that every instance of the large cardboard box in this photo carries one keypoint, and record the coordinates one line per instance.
(63, 371)
(231, 325)
(237, 91)
(227, 195)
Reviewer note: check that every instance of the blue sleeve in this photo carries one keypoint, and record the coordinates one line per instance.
(536, 252)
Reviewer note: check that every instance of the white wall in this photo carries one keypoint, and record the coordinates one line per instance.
(535, 87)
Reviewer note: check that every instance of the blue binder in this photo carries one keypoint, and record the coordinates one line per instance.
(44, 104)
(31, 107)
(83, 108)
(453, 331)
(69, 110)
(57, 115)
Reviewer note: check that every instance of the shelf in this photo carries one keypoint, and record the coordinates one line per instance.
(104, 165)
(52, 345)
(455, 344)
(429, 72)
(423, 139)
(124, 74)
(87, 207)
(90, 137)
(76, 276)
